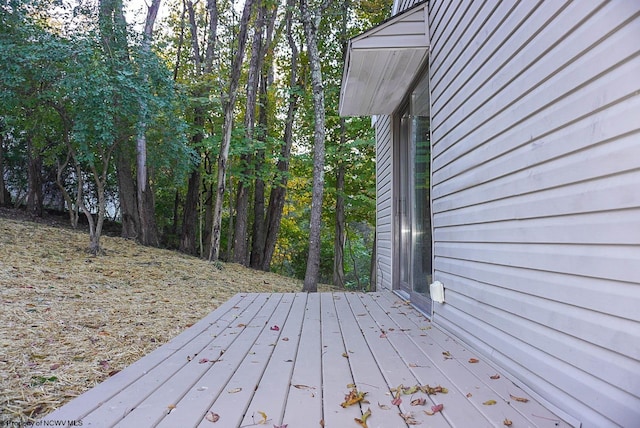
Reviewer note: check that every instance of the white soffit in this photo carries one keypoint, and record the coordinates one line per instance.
(382, 62)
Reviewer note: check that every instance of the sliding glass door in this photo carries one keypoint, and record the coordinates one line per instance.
(413, 241)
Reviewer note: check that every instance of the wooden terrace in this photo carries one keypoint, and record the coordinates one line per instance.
(290, 360)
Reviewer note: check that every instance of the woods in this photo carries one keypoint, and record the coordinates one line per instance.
(212, 130)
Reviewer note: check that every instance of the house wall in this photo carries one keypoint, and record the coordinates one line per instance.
(384, 204)
(536, 194)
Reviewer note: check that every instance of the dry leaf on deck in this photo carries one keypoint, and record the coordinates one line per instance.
(432, 390)
(474, 360)
(384, 406)
(363, 421)
(435, 409)
(264, 418)
(353, 397)
(409, 419)
(234, 390)
(396, 401)
(418, 402)
(275, 328)
(212, 417)
(507, 422)
(495, 376)
(520, 399)
(490, 402)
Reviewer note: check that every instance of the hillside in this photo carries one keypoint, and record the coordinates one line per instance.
(70, 320)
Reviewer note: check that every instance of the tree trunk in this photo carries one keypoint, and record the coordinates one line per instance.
(146, 202)
(127, 195)
(34, 173)
(188, 237)
(242, 220)
(311, 21)
(373, 282)
(241, 252)
(266, 80)
(223, 157)
(279, 189)
(339, 239)
(5, 196)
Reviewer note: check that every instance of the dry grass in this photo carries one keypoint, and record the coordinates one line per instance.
(70, 320)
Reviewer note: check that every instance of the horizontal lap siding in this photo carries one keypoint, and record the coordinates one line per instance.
(536, 200)
(384, 202)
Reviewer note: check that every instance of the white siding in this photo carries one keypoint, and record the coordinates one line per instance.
(384, 203)
(536, 194)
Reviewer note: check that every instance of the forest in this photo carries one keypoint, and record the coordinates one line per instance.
(209, 127)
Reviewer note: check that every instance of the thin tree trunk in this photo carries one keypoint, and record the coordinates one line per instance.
(339, 239)
(189, 240)
(223, 157)
(146, 203)
(5, 196)
(34, 174)
(188, 237)
(311, 24)
(266, 80)
(127, 194)
(279, 190)
(240, 251)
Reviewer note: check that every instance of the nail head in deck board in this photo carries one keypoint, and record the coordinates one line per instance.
(302, 381)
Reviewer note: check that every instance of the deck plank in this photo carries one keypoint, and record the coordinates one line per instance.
(155, 397)
(304, 402)
(336, 371)
(195, 404)
(366, 371)
(237, 364)
(472, 378)
(271, 395)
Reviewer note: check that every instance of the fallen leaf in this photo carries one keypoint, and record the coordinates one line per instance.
(419, 401)
(490, 402)
(285, 339)
(363, 421)
(241, 325)
(495, 376)
(410, 390)
(303, 386)
(384, 406)
(275, 328)
(446, 353)
(520, 399)
(353, 397)
(170, 407)
(409, 419)
(432, 390)
(383, 335)
(435, 409)
(212, 417)
(469, 395)
(234, 390)
(507, 422)
(203, 360)
(344, 354)
(474, 360)
(396, 401)
(264, 418)
(281, 426)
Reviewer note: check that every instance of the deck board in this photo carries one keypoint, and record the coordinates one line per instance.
(291, 358)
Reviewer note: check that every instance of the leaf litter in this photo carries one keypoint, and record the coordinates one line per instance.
(85, 318)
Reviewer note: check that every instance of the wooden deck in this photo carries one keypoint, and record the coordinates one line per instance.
(290, 359)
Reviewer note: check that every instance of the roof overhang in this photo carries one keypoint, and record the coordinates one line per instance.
(383, 62)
